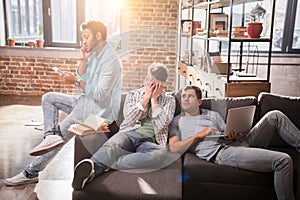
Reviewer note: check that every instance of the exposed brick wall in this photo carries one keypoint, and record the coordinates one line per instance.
(152, 38)
(153, 25)
(33, 75)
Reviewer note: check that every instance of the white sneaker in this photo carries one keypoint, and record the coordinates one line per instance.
(20, 179)
(48, 144)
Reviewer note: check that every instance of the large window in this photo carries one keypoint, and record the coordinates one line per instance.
(62, 19)
(286, 37)
(24, 19)
(58, 21)
(296, 32)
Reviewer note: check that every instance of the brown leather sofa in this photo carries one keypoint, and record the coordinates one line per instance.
(190, 177)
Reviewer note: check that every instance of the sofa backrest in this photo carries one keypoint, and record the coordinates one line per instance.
(289, 105)
(222, 105)
(121, 114)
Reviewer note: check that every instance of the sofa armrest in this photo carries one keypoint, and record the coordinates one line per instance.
(286, 104)
(87, 145)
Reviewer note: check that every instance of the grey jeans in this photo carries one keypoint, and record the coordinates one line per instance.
(52, 103)
(129, 151)
(256, 158)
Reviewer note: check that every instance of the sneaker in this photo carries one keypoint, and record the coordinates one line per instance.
(20, 179)
(48, 144)
(84, 172)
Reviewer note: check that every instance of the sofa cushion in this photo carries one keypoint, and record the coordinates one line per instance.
(202, 177)
(160, 184)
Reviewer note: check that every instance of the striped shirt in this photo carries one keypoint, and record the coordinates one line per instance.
(161, 117)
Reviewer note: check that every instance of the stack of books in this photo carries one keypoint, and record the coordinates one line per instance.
(239, 32)
(221, 33)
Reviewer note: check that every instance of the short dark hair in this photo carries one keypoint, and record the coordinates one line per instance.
(196, 89)
(95, 26)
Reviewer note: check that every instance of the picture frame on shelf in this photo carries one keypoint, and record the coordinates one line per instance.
(218, 21)
(186, 27)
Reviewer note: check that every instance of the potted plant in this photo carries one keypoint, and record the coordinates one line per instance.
(31, 43)
(254, 27)
(11, 41)
(40, 42)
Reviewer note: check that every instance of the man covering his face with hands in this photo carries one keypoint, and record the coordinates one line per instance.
(141, 141)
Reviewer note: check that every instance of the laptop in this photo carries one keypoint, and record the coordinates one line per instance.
(239, 119)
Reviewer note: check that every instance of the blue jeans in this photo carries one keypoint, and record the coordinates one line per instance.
(52, 103)
(127, 151)
(249, 152)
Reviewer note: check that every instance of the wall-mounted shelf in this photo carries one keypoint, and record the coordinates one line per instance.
(238, 61)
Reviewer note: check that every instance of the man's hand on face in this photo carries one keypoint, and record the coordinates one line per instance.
(158, 90)
(148, 89)
(84, 54)
(233, 134)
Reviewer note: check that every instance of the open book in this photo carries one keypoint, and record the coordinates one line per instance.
(92, 124)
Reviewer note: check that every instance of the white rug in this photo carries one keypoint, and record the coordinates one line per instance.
(55, 180)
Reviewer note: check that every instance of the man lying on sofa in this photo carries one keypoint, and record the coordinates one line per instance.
(237, 150)
(141, 141)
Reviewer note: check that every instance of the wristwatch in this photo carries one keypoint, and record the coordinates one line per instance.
(77, 83)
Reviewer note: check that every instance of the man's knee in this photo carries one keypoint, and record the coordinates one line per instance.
(160, 154)
(285, 162)
(47, 97)
(274, 114)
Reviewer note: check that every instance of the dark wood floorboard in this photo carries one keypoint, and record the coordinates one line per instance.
(25, 192)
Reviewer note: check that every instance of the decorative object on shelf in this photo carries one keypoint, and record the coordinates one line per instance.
(218, 21)
(196, 27)
(254, 27)
(186, 27)
(239, 32)
(11, 41)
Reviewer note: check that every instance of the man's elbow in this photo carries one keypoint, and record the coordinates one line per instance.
(173, 149)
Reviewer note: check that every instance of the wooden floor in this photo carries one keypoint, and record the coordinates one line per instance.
(19, 193)
(16, 140)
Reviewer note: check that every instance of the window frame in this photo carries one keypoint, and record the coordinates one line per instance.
(288, 29)
(7, 19)
(80, 13)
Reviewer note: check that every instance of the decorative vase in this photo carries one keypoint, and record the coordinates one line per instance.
(40, 43)
(254, 29)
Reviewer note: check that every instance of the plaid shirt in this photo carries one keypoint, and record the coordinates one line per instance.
(161, 117)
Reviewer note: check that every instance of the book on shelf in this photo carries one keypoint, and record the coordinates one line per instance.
(92, 124)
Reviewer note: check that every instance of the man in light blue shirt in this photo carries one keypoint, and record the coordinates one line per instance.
(99, 78)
